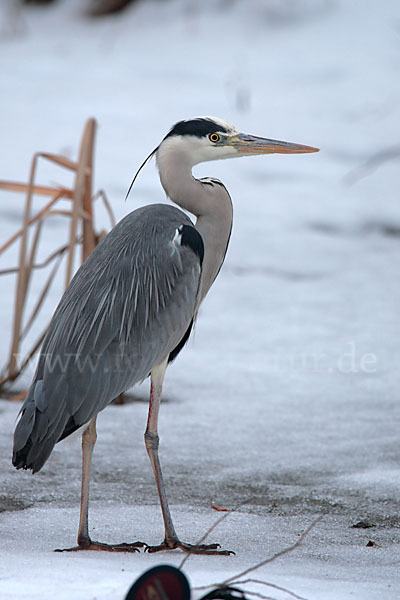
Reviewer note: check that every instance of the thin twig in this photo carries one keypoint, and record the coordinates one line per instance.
(276, 555)
(259, 595)
(269, 584)
(207, 533)
(235, 579)
(217, 522)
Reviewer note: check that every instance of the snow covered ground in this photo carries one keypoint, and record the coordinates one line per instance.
(287, 397)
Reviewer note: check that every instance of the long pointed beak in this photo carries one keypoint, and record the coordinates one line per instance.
(251, 144)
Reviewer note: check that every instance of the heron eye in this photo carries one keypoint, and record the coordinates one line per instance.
(213, 137)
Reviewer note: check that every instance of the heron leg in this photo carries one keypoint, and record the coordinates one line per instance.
(152, 442)
(89, 437)
(171, 540)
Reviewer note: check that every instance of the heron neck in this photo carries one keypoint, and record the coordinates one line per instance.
(178, 182)
(210, 203)
(215, 232)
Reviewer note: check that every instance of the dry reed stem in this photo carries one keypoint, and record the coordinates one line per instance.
(38, 190)
(22, 274)
(62, 193)
(19, 397)
(63, 161)
(73, 228)
(33, 350)
(89, 242)
(101, 194)
(43, 264)
(82, 199)
(17, 372)
(68, 213)
(34, 245)
(81, 210)
(42, 296)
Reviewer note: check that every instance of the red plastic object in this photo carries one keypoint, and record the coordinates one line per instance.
(160, 583)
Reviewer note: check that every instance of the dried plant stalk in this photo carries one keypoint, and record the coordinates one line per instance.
(62, 193)
(42, 296)
(31, 353)
(23, 276)
(101, 194)
(63, 161)
(34, 246)
(67, 213)
(81, 211)
(83, 198)
(38, 190)
(87, 151)
(43, 264)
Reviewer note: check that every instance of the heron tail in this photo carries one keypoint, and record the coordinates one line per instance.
(36, 433)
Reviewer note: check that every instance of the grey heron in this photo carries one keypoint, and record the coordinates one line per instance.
(130, 308)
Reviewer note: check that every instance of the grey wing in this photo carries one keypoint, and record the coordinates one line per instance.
(127, 308)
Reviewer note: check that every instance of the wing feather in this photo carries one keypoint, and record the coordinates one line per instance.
(126, 309)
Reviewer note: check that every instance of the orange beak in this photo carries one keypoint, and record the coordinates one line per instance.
(251, 144)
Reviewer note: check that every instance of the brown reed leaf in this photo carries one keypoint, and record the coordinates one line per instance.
(81, 211)
(42, 297)
(63, 161)
(38, 190)
(62, 193)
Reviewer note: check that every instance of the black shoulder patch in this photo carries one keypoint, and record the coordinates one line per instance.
(172, 355)
(190, 237)
(197, 127)
(211, 181)
(218, 182)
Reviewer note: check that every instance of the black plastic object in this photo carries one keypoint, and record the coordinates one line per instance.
(225, 593)
(160, 583)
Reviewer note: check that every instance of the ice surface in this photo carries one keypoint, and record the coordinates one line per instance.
(287, 397)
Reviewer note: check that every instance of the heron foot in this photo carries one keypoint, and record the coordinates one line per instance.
(101, 547)
(210, 549)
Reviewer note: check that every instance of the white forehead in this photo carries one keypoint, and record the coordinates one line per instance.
(231, 129)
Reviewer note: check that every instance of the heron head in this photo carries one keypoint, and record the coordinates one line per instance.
(203, 139)
(209, 138)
